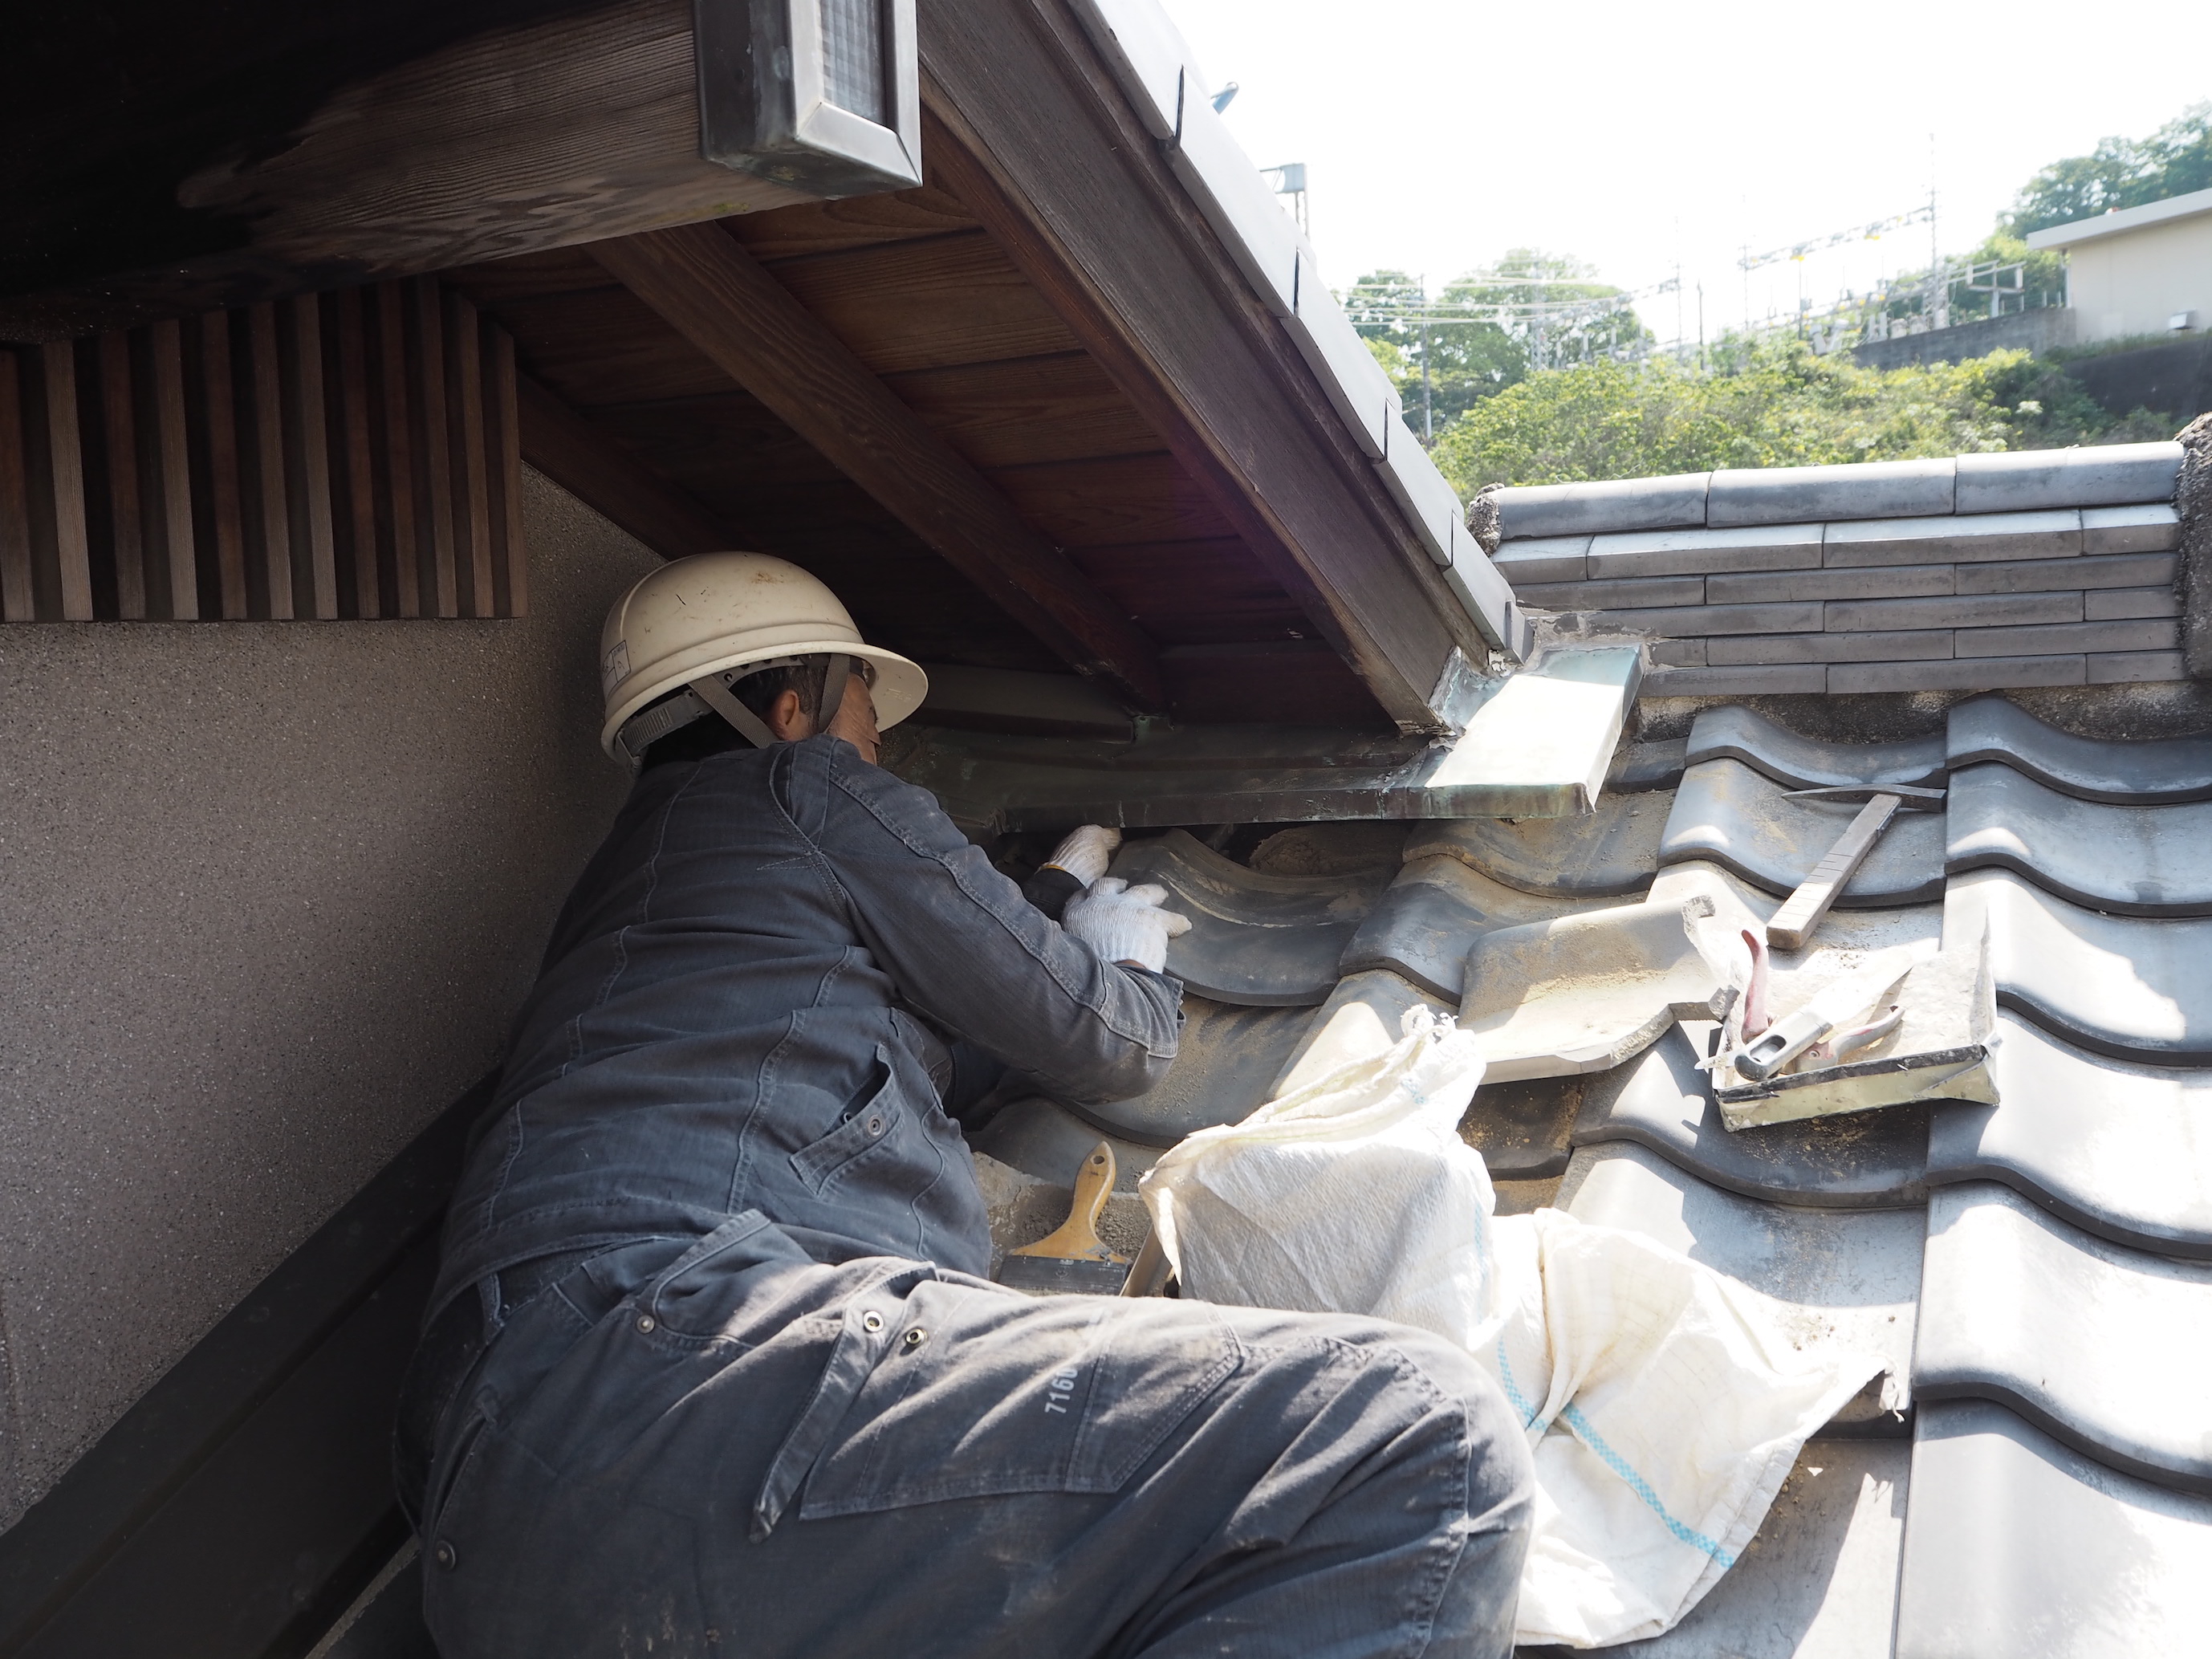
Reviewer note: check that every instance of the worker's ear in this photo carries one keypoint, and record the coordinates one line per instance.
(786, 718)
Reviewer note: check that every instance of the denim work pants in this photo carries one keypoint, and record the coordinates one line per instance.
(740, 1450)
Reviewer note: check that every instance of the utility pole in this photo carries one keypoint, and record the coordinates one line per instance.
(1428, 414)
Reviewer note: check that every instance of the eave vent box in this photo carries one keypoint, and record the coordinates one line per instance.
(2182, 321)
(823, 96)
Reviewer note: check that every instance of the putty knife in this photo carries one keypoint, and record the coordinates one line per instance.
(1071, 1260)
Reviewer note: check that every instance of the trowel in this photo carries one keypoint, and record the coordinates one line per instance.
(1826, 1015)
(1073, 1259)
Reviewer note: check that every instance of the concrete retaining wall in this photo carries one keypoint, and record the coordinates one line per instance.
(2038, 330)
(2173, 380)
(274, 891)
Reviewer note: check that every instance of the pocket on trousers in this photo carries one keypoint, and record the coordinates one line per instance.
(1014, 1395)
(866, 1129)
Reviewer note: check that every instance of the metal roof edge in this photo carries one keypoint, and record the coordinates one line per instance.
(1158, 74)
(2122, 220)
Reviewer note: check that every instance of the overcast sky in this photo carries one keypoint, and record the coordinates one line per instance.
(1439, 133)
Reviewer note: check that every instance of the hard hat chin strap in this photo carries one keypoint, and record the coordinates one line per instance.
(748, 726)
(709, 692)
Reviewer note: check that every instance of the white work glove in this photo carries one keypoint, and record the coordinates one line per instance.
(1086, 851)
(1124, 923)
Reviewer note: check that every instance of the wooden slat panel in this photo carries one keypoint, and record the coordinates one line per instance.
(928, 304)
(471, 487)
(221, 522)
(399, 544)
(66, 454)
(504, 433)
(269, 565)
(857, 221)
(1027, 409)
(606, 346)
(307, 457)
(1127, 498)
(119, 420)
(426, 351)
(355, 472)
(18, 597)
(165, 355)
(1195, 592)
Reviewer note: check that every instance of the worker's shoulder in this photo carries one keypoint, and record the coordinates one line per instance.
(909, 812)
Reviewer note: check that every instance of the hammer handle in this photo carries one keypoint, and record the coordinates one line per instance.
(1801, 913)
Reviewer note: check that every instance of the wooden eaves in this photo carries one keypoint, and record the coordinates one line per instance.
(1061, 407)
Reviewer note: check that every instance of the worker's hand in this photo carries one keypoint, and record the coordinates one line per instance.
(1086, 851)
(1125, 924)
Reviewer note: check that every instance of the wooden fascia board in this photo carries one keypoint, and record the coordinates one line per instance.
(733, 310)
(606, 477)
(369, 148)
(1027, 127)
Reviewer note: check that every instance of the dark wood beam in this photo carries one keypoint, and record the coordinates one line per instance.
(165, 159)
(728, 305)
(606, 477)
(1025, 125)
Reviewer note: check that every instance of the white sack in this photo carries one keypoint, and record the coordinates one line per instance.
(1663, 1403)
(1261, 1213)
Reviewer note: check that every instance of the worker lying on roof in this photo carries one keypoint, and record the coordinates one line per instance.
(712, 1367)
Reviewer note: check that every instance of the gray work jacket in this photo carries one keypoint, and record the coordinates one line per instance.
(718, 1024)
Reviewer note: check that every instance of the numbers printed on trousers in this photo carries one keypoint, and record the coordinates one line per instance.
(1058, 1390)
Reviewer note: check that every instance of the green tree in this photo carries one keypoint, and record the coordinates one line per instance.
(2120, 172)
(1762, 404)
(1487, 330)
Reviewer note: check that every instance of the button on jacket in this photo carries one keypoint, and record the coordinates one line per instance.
(721, 1024)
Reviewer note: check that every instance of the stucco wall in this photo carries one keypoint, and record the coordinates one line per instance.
(271, 893)
(2134, 281)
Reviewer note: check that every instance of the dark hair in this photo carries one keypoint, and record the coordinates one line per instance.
(758, 692)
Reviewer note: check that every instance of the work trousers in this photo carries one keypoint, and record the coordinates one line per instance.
(742, 1451)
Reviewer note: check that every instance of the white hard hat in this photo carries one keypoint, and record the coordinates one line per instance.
(716, 611)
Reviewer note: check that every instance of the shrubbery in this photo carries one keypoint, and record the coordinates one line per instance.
(1772, 404)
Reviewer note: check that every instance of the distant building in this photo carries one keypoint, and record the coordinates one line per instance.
(2140, 270)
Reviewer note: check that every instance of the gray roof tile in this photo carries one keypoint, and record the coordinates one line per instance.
(1701, 552)
(2117, 1150)
(2104, 1347)
(1802, 763)
(1581, 509)
(1421, 928)
(1610, 853)
(2138, 774)
(2151, 529)
(1743, 822)
(2015, 1545)
(1254, 939)
(2130, 860)
(2131, 986)
(2047, 535)
(1783, 494)
(2107, 474)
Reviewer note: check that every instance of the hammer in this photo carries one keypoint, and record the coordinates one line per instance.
(1801, 913)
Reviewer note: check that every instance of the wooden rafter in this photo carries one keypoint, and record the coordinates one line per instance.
(1023, 124)
(735, 312)
(605, 476)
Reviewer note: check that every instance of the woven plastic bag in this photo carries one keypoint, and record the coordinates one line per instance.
(1371, 1151)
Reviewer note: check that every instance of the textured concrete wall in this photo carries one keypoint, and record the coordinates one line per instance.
(272, 892)
(2024, 330)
